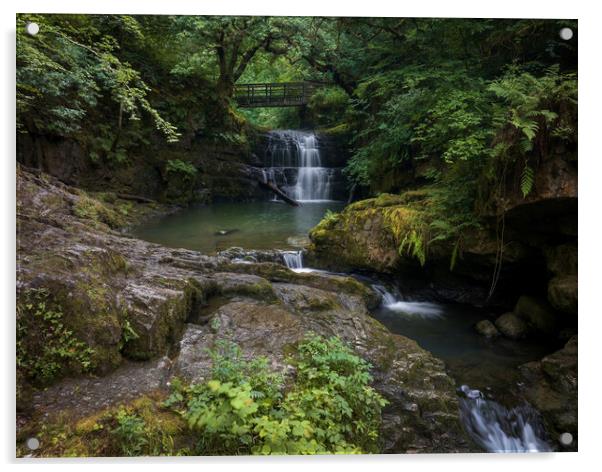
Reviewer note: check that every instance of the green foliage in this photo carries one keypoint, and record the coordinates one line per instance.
(413, 244)
(328, 106)
(92, 209)
(66, 72)
(127, 333)
(177, 166)
(330, 218)
(130, 433)
(245, 408)
(526, 180)
(180, 177)
(46, 348)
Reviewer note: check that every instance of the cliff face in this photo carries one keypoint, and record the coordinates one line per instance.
(130, 303)
(223, 171)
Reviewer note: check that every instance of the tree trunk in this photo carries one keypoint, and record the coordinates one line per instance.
(274, 188)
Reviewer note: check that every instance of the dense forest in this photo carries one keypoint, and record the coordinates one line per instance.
(452, 146)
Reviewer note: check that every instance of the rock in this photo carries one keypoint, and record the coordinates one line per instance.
(225, 232)
(109, 284)
(562, 259)
(487, 328)
(562, 293)
(368, 235)
(550, 385)
(403, 371)
(511, 326)
(538, 314)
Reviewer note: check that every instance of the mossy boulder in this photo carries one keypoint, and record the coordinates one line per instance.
(538, 314)
(563, 293)
(550, 385)
(366, 235)
(398, 235)
(487, 328)
(562, 259)
(511, 326)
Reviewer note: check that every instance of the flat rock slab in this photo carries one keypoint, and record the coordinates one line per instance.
(85, 395)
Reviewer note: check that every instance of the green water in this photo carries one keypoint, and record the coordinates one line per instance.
(253, 225)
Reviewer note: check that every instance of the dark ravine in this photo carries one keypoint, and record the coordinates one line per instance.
(265, 308)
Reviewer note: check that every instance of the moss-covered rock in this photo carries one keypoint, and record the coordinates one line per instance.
(538, 314)
(487, 328)
(562, 259)
(563, 293)
(138, 427)
(511, 326)
(551, 386)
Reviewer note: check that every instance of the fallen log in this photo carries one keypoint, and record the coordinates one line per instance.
(274, 188)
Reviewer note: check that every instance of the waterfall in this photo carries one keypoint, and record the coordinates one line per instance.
(296, 165)
(386, 296)
(293, 259)
(499, 429)
(393, 301)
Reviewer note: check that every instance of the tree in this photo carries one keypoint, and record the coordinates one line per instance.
(228, 44)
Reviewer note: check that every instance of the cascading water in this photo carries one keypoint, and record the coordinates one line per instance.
(499, 429)
(296, 165)
(394, 302)
(293, 260)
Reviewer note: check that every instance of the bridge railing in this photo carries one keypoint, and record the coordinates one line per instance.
(279, 94)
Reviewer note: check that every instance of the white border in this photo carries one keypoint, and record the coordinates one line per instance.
(590, 228)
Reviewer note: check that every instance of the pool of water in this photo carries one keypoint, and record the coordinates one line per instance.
(447, 330)
(253, 225)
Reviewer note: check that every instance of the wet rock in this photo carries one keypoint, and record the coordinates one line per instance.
(562, 293)
(511, 326)
(238, 254)
(108, 282)
(538, 314)
(487, 328)
(84, 395)
(551, 386)
(225, 232)
(368, 234)
(423, 411)
(562, 259)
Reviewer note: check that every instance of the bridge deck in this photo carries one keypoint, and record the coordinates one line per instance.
(282, 94)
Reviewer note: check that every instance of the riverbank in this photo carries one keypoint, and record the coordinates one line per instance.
(125, 286)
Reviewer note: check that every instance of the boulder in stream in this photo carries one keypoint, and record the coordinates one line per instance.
(511, 326)
(487, 328)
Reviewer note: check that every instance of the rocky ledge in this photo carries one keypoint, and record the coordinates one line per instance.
(178, 303)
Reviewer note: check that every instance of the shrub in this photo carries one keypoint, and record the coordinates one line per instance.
(180, 177)
(130, 433)
(328, 407)
(46, 349)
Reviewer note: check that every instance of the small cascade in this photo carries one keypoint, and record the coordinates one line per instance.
(499, 429)
(295, 164)
(293, 259)
(386, 296)
(393, 301)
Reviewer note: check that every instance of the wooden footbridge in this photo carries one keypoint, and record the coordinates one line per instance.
(279, 94)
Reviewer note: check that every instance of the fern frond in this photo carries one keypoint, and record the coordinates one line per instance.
(526, 181)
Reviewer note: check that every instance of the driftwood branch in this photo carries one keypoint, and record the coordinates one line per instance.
(274, 188)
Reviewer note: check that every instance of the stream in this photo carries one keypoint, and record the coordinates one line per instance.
(493, 414)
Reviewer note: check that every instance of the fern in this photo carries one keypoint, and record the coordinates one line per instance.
(454, 255)
(413, 245)
(526, 181)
